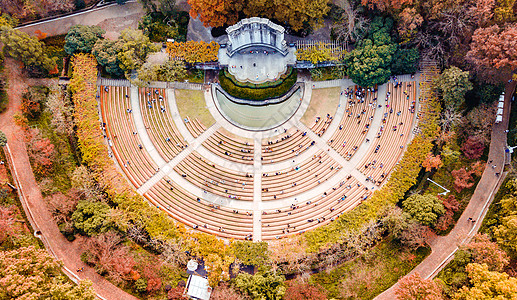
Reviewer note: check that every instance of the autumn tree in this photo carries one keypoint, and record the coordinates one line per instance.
(215, 13)
(351, 26)
(61, 206)
(386, 5)
(410, 21)
(169, 71)
(453, 84)
(462, 179)
(473, 147)
(304, 291)
(432, 162)
(451, 206)
(413, 287)
(491, 51)
(424, 208)
(61, 109)
(225, 292)
(25, 48)
(485, 284)
(32, 101)
(30, 273)
(193, 52)
(82, 38)
(485, 251)
(109, 256)
(41, 152)
(7, 221)
(320, 52)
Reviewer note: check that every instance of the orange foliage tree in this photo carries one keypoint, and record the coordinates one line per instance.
(484, 251)
(41, 152)
(385, 5)
(414, 287)
(431, 162)
(193, 52)
(304, 291)
(492, 51)
(215, 13)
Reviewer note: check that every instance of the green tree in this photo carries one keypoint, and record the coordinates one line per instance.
(424, 208)
(82, 38)
(3, 139)
(369, 65)
(250, 253)
(25, 48)
(169, 71)
(486, 285)
(133, 48)
(30, 273)
(106, 55)
(405, 61)
(453, 84)
(92, 217)
(269, 286)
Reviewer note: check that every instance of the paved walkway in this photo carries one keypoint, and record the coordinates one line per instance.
(34, 205)
(112, 18)
(444, 247)
(257, 206)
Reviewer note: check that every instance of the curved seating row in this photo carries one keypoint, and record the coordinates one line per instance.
(386, 149)
(306, 175)
(230, 147)
(307, 215)
(355, 123)
(285, 146)
(216, 179)
(159, 123)
(122, 135)
(199, 213)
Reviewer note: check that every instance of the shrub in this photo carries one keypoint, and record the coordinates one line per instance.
(258, 93)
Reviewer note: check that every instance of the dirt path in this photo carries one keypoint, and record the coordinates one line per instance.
(443, 247)
(69, 253)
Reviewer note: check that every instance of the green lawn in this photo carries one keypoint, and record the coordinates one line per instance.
(192, 104)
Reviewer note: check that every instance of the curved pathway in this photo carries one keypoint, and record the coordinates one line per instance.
(30, 195)
(444, 247)
(113, 18)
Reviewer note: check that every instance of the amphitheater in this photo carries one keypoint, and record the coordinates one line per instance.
(333, 148)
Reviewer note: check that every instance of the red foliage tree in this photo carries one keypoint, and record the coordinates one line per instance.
(176, 294)
(304, 291)
(41, 151)
(414, 287)
(462, 179)
(484, 251)
(6, 222)
(492, 51)
(473, 147)
(451, 206)
(154, 282)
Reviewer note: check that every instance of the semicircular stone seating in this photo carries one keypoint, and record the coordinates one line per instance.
(257, 185)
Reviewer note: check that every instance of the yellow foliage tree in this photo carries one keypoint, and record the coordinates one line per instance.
(318, 53)
(193, 52)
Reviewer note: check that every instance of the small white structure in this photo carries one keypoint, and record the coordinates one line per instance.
(500, 107)
(198, 288)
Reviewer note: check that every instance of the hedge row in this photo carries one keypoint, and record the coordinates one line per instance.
(402, 178)
(257, 93)
(267, 84)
